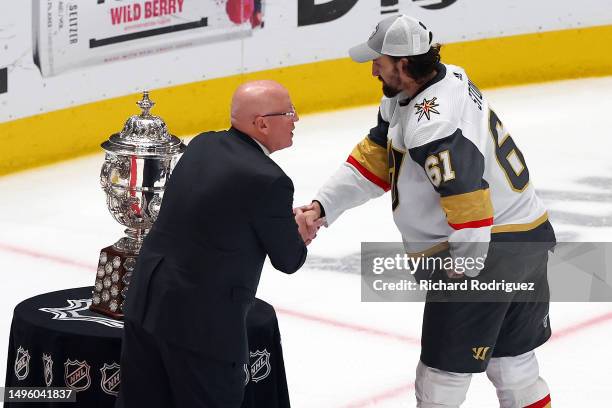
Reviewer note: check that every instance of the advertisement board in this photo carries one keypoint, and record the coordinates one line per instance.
(84, 56)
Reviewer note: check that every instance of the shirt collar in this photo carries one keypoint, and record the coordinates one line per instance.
(249, 140)
(264, 148)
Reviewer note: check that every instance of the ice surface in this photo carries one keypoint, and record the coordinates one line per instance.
(340, 352)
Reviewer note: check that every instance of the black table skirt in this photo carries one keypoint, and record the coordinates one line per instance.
(54, 335)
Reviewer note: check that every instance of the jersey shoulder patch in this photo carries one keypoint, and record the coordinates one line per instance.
(439, 102)
(426, 108)
(436, 112)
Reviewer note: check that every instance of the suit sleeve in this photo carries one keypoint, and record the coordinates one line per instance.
(276, 228)
(363, 176)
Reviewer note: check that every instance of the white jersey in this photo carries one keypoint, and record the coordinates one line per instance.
(454, 172)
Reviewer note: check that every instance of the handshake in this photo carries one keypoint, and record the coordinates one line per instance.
(309, 220)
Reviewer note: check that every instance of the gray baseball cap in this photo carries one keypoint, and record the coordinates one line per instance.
(398, 36)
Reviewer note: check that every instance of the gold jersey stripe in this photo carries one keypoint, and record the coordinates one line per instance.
(467, 207)
(373, 158)
(520, 227)
(442, 246)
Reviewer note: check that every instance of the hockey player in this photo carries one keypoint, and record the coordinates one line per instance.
(459, 182)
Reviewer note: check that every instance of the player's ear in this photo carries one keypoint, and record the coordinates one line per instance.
(403, 65)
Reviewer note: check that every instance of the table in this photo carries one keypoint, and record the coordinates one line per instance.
(57, 341)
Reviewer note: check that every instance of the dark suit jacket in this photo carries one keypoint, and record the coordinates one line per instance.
(226, 206)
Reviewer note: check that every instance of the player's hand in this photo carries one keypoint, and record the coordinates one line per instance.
(314, 206)
(312, 213)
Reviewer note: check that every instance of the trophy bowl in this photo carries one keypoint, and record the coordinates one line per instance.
(137, 165)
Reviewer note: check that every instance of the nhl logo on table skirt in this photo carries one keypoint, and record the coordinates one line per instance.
(111, 378)
(260, 365)
(76, 375)
(48, 369)
(22, 364)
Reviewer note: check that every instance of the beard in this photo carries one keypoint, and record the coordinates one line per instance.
(388, 90)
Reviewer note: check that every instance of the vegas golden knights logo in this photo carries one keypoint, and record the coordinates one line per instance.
(480, 353)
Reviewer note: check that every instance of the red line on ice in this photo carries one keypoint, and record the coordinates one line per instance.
(48, 257)
(557, 334)
(348, 326)
(577, 327)
(382, 396)
(395, 392)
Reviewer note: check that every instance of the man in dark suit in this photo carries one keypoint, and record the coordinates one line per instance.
(226, 206)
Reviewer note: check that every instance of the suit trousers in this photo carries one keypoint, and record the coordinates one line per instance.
(155, 373)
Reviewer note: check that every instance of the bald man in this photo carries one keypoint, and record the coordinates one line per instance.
(227, 206)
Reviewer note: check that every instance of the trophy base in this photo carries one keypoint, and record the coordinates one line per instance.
(115, 269)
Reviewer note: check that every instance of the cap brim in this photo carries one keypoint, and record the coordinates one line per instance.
(363, 53)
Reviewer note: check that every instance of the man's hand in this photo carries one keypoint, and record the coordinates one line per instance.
(308, 219)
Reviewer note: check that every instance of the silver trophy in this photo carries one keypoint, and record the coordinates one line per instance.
(137, 166)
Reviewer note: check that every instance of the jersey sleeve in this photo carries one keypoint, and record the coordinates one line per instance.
(455, 168)
(363, 176)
